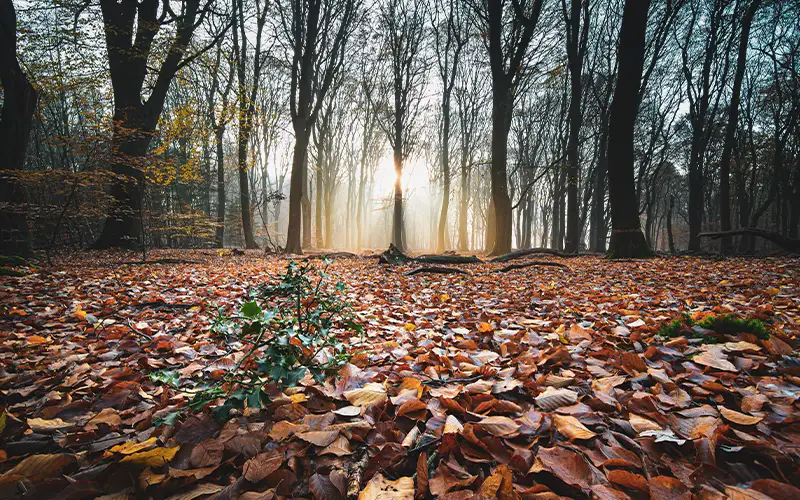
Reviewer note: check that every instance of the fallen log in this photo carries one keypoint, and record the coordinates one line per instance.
(435, 270)
(449, 259)
(518, 254)
(786, 243)
(394, 256)
(536, 263)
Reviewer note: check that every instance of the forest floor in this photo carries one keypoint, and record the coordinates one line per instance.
(535, 383)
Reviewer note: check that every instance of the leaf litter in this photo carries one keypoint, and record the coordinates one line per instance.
(542, 384)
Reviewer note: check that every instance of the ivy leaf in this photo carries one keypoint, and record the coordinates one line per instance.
(251, 309)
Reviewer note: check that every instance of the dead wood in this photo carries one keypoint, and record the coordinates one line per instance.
(435, 270)
(518, 254)
(535, 263)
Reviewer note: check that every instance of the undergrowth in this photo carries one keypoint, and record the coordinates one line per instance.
(293, 328)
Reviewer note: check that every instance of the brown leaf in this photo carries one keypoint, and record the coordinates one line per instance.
(571, 427)
(262, 465)
(628, 480)
(422, 476)
(668, 488)
(738, 418)
(380, 488)
(40, 467)
(318, 438)
(339, 447)
(207, 453)
(322, 488)
(499, 426)
(552, 398)
(48, 426)
(715, 358)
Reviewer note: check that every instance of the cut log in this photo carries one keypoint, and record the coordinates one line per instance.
(788, 244)
(518, 254)
(534, 263)
(435, 270)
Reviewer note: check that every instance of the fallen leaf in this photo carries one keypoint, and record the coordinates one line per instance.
(571, 427)
(152, 458)
(380, 488)
(262, 465)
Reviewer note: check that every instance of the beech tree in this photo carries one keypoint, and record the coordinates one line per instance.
(403, 24)
(316, 33)
(130, 28)
(508, 28)
(627, 239)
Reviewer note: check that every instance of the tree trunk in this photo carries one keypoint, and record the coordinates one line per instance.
(15, 123)
(220, 233)
(318, 237)
(575, 64)
(499, 178)
(730, 130)
(397, 214)
(463, 241)
(296, 193)
(627, 239)
(441, 242)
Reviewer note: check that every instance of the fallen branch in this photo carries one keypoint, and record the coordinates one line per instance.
(355, 472)
(786, 243)
(448, 259)
(535, 263)
(518, 254)
(435, 270)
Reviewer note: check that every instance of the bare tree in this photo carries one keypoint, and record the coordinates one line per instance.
(509, 27)
(449, 37)
(316, 33)
(577, 23)
(403, 27)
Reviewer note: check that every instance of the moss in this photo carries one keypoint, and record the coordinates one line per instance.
(726, 324)
(13, 260)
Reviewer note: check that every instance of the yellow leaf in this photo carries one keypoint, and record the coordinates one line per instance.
(133, 447)
(371, 394)
(36, 340)
(444, 297)
(485, 327)
(410, 327)
(772, 291)
(298, 398)
(153, 458)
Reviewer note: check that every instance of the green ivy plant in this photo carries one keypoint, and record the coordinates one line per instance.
(293, 327)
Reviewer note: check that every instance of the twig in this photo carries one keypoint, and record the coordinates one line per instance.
(137, 332)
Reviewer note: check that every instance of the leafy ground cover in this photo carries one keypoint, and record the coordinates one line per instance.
(541, 382)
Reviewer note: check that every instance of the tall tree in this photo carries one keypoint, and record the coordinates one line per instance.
(577, 22)
(130, 27)
(627, 239)
(316, 32)
(247, 102)
(450, 37)
(732, 126)
(403, 26)
(19, 104)
(509, 28)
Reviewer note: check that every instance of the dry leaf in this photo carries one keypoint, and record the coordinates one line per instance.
(152, 458)
(738, 418)
(380, 488)
(571, 428)
(262, 465)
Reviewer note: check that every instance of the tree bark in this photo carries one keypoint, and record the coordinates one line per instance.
(15, 123)
(627, 239)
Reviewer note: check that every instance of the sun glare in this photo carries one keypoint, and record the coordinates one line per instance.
(415, 176)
